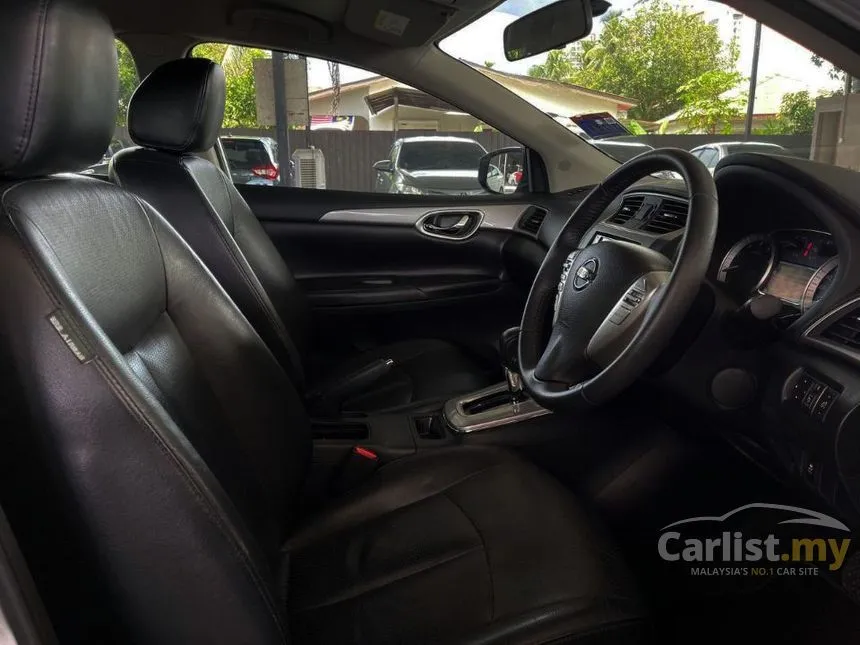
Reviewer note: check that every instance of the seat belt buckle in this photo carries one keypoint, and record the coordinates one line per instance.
(358, 467)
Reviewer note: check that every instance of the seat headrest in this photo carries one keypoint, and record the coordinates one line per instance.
(179, 107)
(58, 87)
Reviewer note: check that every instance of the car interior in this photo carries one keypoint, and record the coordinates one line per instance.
(238, 413)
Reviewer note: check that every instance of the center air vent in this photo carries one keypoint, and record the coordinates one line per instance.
(532, 220)
(669, 216)
(845, 331)
(629, 207)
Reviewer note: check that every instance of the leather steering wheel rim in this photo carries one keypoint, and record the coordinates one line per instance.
(547, 366)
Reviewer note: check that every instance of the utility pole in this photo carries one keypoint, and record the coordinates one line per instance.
(282, 128)
(753, 82)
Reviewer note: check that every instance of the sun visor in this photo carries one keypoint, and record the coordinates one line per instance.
(397, 22)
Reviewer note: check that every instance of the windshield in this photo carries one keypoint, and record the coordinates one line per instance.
(678, 73)
(440, 155)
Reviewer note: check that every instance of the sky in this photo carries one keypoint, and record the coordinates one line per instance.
(478, 42)
(481, 42)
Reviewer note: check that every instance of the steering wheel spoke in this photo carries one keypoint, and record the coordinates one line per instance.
(623, 322)
(618, 303)
(562, 360)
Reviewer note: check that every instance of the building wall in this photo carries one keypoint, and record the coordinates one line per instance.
(548, 99)
(836, 137)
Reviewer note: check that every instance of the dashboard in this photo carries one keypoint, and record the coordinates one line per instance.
(784, 389)
(797, 266)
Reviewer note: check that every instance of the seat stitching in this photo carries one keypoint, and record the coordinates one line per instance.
(386, 581)
(35, 82)
(485, 550)
(145, 213)
(289, 546)
(198, 109)
(106, 371)
(600, 629)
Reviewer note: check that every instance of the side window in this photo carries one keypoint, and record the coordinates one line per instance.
(710, 157)
(346, 128)
(128, 82)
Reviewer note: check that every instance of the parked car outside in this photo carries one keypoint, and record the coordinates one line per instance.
(712, 153)
(253, 160)
(621, 150)
(432, 166)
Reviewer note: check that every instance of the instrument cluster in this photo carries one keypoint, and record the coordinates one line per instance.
(797, 266)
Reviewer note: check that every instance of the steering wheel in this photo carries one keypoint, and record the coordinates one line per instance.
(614, 305)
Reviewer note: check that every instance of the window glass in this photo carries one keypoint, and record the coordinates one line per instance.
(344, 127)
(128, 82)
(710, 157)
(677, 73)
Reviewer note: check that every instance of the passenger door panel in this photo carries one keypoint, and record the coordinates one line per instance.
(371, 270)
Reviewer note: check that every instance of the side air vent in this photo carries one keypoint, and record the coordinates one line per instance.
(629, 207)
(845, 331)
(669, 216)
(532, 220)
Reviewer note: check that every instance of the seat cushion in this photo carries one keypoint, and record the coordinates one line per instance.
(424, 370)
(467, 545)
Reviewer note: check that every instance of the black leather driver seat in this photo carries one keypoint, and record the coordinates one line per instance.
(177, 112)
(155, 449)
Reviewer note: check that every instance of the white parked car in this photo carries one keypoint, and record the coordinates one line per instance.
(712, 153)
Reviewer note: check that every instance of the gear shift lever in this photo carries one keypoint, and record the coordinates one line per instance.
(509, 348)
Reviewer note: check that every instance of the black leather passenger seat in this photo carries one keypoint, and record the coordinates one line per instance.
(177, 112)
(157, 449)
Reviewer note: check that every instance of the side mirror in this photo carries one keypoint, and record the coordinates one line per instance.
(383, 166)
(550, 27)
(501, 171)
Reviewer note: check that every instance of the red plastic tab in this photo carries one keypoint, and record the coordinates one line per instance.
(361, 451)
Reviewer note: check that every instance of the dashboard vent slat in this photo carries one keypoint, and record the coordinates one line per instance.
(668, 217)
(845, 331)
(629, 208)
(532, 220)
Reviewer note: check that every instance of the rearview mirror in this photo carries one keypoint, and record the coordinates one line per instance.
(501, 171)
(383, 166)
(550, 27)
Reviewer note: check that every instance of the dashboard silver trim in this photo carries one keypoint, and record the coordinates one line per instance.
(498, 217)
(775, 260)
(506, 414)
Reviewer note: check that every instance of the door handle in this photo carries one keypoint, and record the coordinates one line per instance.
(451, 225)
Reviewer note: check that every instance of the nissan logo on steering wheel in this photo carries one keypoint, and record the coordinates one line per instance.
(585, 274)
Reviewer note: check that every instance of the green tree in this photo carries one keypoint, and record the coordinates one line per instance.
(489, 64)
(798, 110)
(128, 81)
(558, 66)
(706, 106)
(635, 127)
(796, 115)
(646, 55)
(240, 108)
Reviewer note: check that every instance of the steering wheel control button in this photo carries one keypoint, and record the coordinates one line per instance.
(814, 396)
(825, 402)
(811, 396)
(585, 274)
(801, 387)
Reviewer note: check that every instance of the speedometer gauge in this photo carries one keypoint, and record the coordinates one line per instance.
(747, 265)
(819, 283)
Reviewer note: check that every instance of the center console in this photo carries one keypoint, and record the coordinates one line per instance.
(500, 414)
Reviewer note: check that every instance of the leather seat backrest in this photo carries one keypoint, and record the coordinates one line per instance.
(175, 113)
(155, 447)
